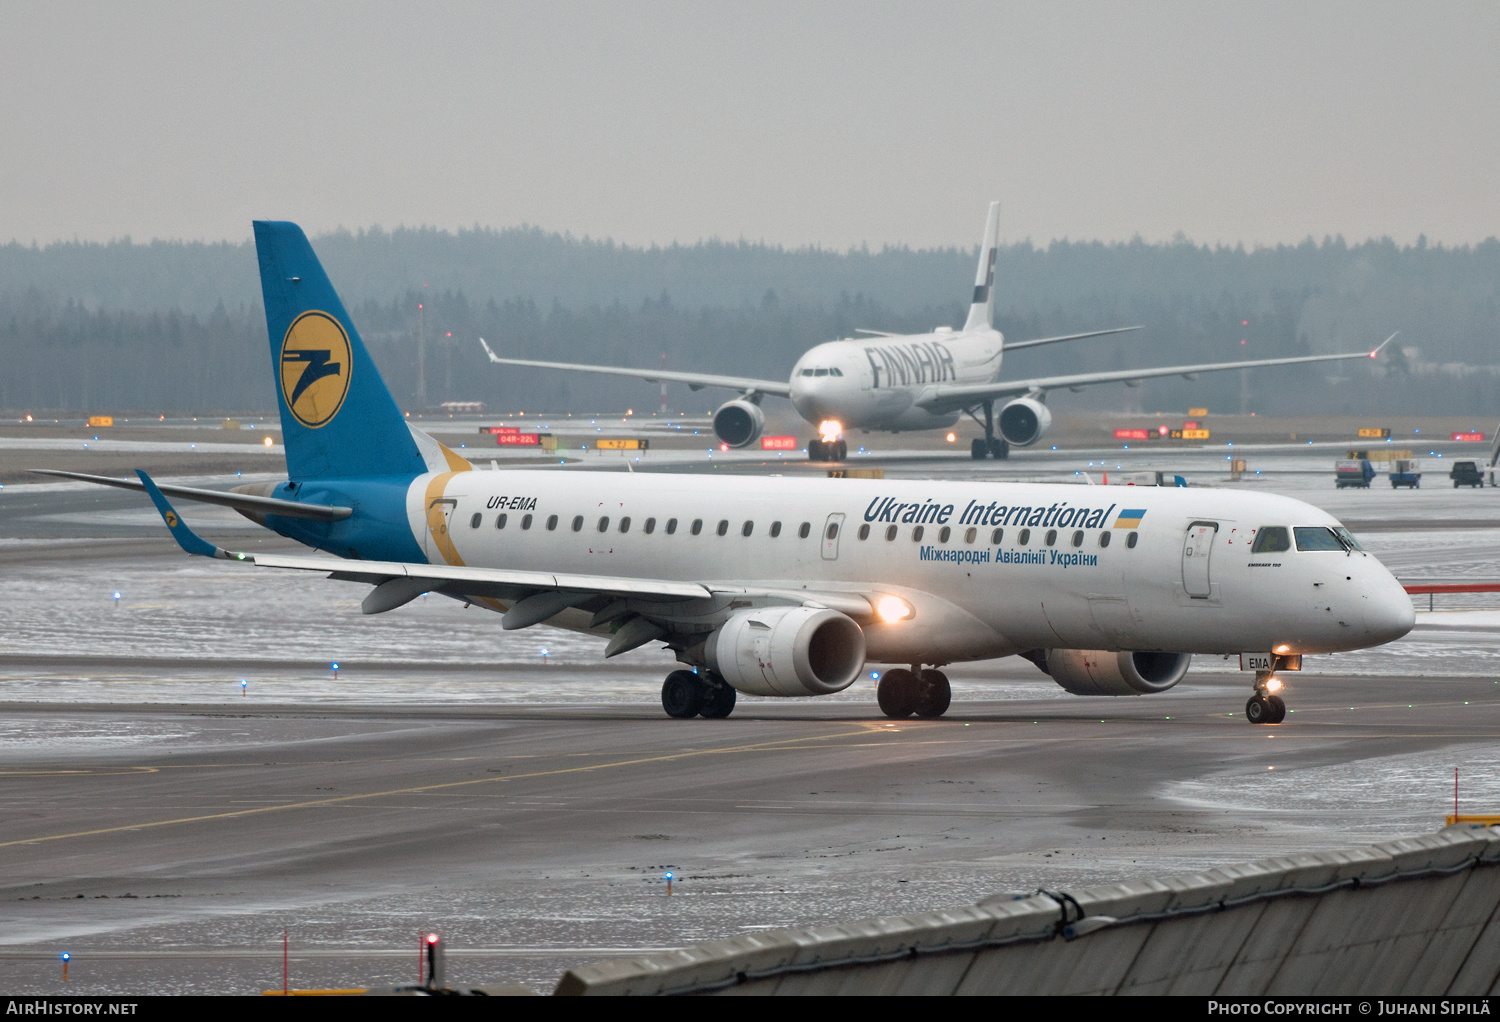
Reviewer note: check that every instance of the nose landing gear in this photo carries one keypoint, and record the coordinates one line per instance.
(1265, 707)
(827, 450)
(901, 693)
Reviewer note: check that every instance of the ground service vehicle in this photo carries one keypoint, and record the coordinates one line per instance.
(1405, 473)
(1466, 473)
(1353, 473)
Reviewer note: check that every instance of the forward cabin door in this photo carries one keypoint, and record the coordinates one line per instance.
(1197, 550)
(831, 530)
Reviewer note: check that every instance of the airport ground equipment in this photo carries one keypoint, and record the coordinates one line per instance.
(1405, 472)
(1150, 479)
(885, 382)
(1416, 916)
(775, 586)
(1466, 473)
(1352, 472)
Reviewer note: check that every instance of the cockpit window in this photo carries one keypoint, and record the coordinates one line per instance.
(1271, 539)
(1348, 537)
(820, 372)
(835, 371)
(807, 372)
(1318, 537)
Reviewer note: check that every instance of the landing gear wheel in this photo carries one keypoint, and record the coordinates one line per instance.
(999, 449)
(933, 694)
(682, 695)
(978, 449)
(1259, 710)
(718, 701)
(1278, 709)
(816, 451)
(897, 693)
(840, 450)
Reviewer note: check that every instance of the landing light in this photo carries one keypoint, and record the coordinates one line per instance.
(1274, 685)
(893, 608)
(830, 429)
(1282, 649)
(951, 438)
(268, 441)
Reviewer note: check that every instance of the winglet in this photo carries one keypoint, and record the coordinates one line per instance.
(186, 538)
(489, 351)
(1383, 343)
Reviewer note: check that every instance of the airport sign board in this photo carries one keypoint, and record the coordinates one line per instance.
(1468, 436)
(1189, 434)
(101, 420)
(1198, 413)
(1374, 433)
(778, 443)
(499, 429)
(1132, 434)
(621, 444)
(518, 439)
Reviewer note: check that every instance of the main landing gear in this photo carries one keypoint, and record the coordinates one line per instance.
(685, 694)
(991, 446)
(1265, 707)
(827, 450)
(901, 693)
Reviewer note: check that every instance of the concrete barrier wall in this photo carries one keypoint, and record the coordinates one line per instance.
(1415, 916)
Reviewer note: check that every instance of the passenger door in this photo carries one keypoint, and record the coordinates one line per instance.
(831, 530)
(1197, 549)
(439, 546)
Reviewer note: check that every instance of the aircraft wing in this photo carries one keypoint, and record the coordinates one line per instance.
(1017, 345)
(696, 381)
(952, 397)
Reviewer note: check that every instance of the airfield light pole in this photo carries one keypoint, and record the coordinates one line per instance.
(664, 385)
(421, 355)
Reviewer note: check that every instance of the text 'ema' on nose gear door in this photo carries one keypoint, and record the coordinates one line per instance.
(1197, 549)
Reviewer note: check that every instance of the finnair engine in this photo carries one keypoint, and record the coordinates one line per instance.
(787, 651)
(738, 423)
(1091, 672)
(1024, 421)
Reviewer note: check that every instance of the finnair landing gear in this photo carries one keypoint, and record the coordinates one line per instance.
(991, 446)
(901, 693)
(1265, 707)
(685, 694)
(933, 694)
(827, 450)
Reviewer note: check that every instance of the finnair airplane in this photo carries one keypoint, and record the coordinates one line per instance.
(901, 382)
(780, 586)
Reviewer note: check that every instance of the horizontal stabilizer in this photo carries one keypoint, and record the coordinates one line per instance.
(238, 501)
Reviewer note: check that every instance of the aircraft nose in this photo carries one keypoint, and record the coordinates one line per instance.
(1389, 613)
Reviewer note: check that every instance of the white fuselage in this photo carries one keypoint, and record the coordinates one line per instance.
(871, 383)
(977, 592)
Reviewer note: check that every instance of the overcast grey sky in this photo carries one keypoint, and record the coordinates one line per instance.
(793, 123)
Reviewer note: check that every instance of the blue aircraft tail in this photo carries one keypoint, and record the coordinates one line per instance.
(337, 417)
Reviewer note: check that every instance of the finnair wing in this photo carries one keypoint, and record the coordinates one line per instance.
(696, 381)
(1016, 345)
(951, 397)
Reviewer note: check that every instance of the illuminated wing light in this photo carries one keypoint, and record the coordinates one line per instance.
(830, 430)
(893, 608)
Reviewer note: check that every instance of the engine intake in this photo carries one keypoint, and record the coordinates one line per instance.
(787, 651)
(739, 422)
(1024, 421)
(1092, 672)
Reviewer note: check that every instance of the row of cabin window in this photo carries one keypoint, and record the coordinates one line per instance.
(648, 526)
(1023, 537)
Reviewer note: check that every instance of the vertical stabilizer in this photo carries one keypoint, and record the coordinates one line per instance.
(337, 417)
(981, 313)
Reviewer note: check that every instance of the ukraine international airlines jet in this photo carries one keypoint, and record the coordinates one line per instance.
(788, 587)
(901, 382)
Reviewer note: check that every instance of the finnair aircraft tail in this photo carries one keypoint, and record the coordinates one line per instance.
(981, 313)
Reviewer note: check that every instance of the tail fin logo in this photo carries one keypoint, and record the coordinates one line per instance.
(315, 360)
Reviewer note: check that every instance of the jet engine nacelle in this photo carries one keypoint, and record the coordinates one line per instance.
(1092, 672)
(787, 651)
(1023, 421)
(739, 422)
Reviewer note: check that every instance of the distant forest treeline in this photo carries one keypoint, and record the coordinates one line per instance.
(177, 326)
